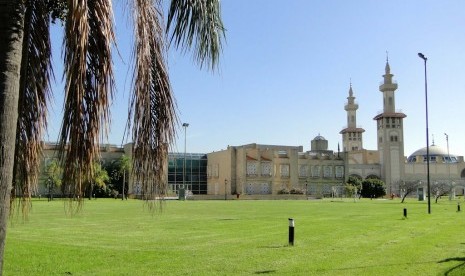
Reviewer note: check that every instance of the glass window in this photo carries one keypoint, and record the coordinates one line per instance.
(251, 167)
(339, 171)
(266, 168)
(284, 170)
(327, 171)
(195, 175)
(315, 171)
(303, 171)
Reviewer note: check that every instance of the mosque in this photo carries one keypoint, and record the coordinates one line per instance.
(268, 169)
(258, 170)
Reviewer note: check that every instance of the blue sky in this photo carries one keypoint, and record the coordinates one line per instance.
(286, 68)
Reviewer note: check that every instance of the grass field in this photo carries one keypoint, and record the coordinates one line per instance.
(239, 237)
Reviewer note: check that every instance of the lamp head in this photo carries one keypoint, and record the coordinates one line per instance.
(422, 56)
(185, 125)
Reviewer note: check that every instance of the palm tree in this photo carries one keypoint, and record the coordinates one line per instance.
(99, 179)
(124, 167)
(25, 73)
(54, 173)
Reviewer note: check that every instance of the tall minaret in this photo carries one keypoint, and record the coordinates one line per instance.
(390, 135)
(352, 135)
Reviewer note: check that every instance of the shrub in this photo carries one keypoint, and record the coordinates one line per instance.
(296, 191)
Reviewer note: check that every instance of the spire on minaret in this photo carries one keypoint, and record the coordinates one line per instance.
(351, 93)
(387, 69)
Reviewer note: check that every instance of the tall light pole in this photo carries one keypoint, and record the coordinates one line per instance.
(184, 125)
(427, 135)
(448, 165)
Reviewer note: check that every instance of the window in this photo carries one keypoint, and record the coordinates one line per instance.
(339, 171)
(315, 171)
(284, 170)
(216, 170)
(209, 171)
(328, 171)
(303, 171)
(412, 159)
(266, 168)
(193, 175)
(251, 168)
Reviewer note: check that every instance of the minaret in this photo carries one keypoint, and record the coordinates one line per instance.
(390, 135)
(352, 139)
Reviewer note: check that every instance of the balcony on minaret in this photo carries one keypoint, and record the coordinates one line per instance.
(388, 86)
(351, 106)
(347, 129)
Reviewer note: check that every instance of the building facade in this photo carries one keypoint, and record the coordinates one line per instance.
(272, 169)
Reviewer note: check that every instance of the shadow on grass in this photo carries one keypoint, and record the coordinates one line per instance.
(273, 246)
(265, 272)
(377, 265)
(456, 270)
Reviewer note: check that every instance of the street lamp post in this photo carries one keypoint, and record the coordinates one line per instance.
(184, 125)
(427, 136)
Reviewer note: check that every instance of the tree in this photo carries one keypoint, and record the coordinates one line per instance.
(353, 186)
(25, 71)
(99, 179)
(125, 166)
(438, 189)
(407, 187)
(116, 181)
(54, 173)
(373, 188)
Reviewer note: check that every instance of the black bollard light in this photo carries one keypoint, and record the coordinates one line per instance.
(458, 206)
(291, 231)
(405, 212)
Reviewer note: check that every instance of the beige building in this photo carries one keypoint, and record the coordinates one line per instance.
(271, 169)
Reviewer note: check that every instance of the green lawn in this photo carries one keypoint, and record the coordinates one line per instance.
(115, 237)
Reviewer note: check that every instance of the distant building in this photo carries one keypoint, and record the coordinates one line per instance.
(271, 169)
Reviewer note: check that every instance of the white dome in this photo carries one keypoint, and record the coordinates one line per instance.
(435, 151)
(319, 138)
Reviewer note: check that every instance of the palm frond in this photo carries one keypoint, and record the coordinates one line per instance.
(152, 107)
(198, 24)
(36, 72)
(89, 88)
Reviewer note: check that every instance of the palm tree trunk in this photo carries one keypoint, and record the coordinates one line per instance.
(11, 39)
(124, 180)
